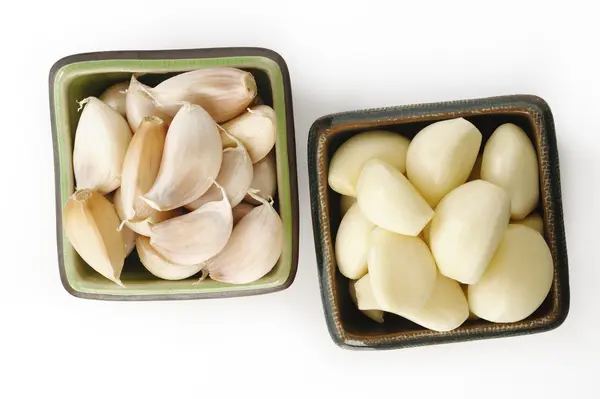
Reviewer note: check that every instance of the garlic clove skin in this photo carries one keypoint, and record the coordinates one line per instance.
(139, 104)
(194, 237)
(510, 161)
(240, 210)
(517, 280)
(114, 97)
(387, 199)
(101, 141)
(345, 203)
(352, 243)
(140, 168)
(441, 157)
(534, 221)
(253, 250)
(256, 129)
(264, 179)
(401, 269)
(224, 92)
(191, 160)
(362, 297)
(91, 225)
(467, 229)
(161, 267)
(350, 158)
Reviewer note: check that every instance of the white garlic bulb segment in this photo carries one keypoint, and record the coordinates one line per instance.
(139, 104)
(264, 180)
(362, 297)
(352, 243)
(161, 267)
(256, 129)
(534, 221)
(114, 97)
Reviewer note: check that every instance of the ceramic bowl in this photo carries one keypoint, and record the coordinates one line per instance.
(78, 76)
(348, 327)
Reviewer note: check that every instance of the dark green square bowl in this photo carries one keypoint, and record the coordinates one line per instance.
(78, 76)
(348, 327)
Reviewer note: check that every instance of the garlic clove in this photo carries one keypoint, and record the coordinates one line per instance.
(139, 104)
(401, 269)
(101, 140)
(362, 297)
(517, 280)
(194, 237)
(91, 226)
(256, 129)
(349, 159)
(190, 162)
(510, 161)
(467, 228)
(129, 237)
(253, 250)
(140, 168)
(264, 179)
(161, 267)
(441, 157)
(114, 97)
(345, 203)
(387, 199)
(352, 243)
(534, 221)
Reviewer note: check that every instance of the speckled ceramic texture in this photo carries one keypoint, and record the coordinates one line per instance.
(78, 76)
(348, 327)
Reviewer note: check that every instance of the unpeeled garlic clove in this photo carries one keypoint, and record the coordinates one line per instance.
(139, 104)
(387, 199)
(253, 250)
(140, 168)
(362, 297)
(240, 210)
(345, 203)
(101, 140)
(114, 97)
(190, 162)
(129, 237)
(256, 129)
(350, 158)
(224, 92)
(264, 180)
(441, 157)
(534, 221)
(161, 267)
(194, 237)
(91, 225)
(352, 243)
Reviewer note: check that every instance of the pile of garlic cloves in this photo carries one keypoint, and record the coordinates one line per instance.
(440, 228)
(184, 173)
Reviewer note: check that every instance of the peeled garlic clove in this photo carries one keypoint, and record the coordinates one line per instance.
(349, 159)
(161, 267)
(352, 243)
(256, 129)
(476, 171)
(114, 97)
(240, 210)
(517, 280)
(510, 161)
(91, 226)
(445, 310)
(534, 221)
(253, 250)
(387, 199)
(140, 168)
(401, 269)
(264, 179)
(139, 104)
(197, 236)
(362, 289)
(101, 140)
(223, 91)
(190, 162)
(441, 156)
(345, 203)
(467, 228)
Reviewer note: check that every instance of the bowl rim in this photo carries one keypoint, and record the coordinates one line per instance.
(175, 54)
(540, 116)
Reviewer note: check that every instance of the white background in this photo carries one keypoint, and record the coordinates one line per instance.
(340, 57)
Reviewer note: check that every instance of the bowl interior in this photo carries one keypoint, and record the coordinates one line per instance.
(77, 81)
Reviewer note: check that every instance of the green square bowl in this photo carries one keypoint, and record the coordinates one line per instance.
(78, 76)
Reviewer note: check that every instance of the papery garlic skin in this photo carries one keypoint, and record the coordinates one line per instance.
(256, 129)
(114, 97)
(361, 294)
(510, 161)
(441, 157)
(352, 243)
(191, 160)
(387, 199)
(517, 280)
(139, 104)
(533, 221)
(350, 158)
(264, 179)
(161, 267)
(467, 228)
(240, 210)
(129, 237)
(101, 140)
(91, 224)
